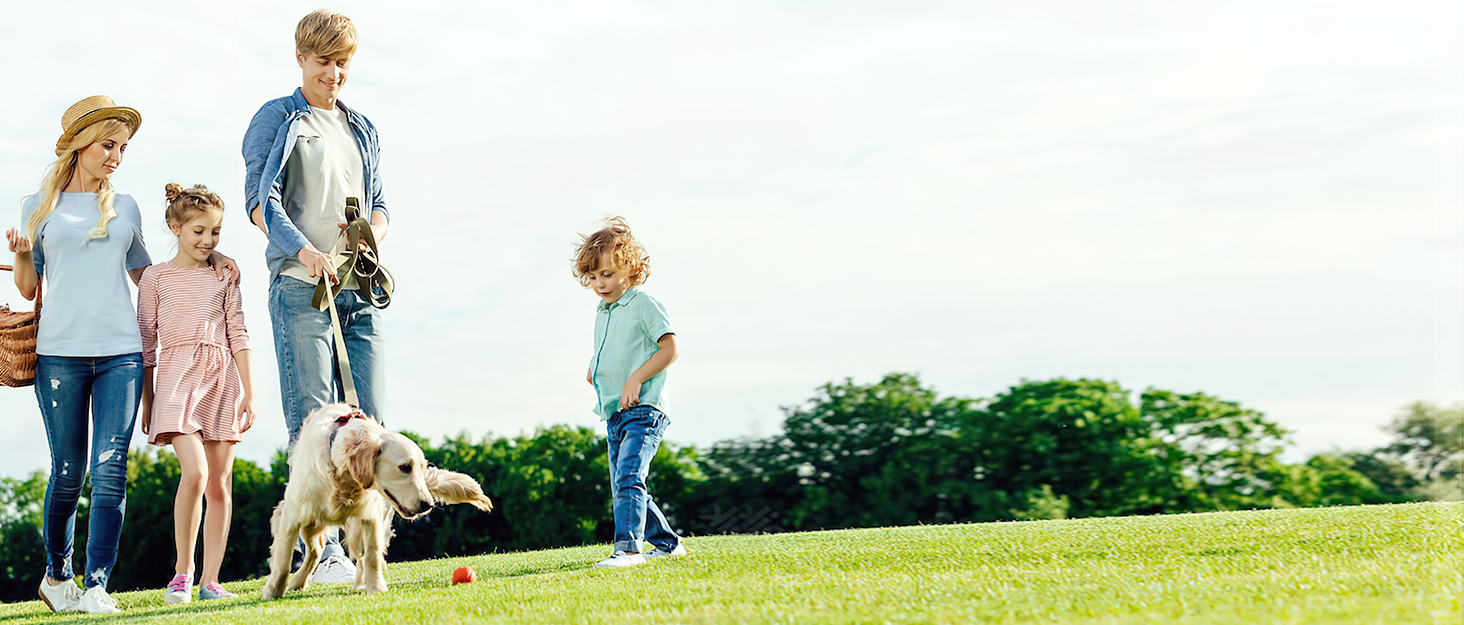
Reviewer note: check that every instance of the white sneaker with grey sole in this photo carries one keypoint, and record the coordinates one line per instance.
(620, 560)
(334, 570)
(60, 598)
(679, 551)
(96, 601)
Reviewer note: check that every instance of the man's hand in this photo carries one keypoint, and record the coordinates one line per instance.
(316, 263)
(377, 233)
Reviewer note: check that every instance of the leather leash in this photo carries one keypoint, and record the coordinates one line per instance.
(371, 278)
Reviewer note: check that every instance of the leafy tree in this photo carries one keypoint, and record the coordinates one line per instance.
(1211, 454)
(22, 550)
(1324, 480)
(1429, 439)
(1390, 474)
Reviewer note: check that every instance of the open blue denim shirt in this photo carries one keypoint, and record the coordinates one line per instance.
(267, 147)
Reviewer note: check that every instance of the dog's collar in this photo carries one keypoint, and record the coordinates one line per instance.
(340, 422)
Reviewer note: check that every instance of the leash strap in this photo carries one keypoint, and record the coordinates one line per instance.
(342, 359)
(371, 278)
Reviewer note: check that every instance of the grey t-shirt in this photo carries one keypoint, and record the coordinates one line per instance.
(88, 306)
(324, 169)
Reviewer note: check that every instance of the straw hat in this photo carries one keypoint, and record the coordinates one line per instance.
(91, 111)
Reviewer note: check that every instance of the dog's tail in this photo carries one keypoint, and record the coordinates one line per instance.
(453, 487)
(274, 519)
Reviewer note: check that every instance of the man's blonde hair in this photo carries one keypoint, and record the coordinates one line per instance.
(325, 33)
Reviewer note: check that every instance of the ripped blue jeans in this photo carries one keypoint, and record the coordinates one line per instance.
(111, 387)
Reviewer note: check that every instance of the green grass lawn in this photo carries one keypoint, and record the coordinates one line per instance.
(1368, 564)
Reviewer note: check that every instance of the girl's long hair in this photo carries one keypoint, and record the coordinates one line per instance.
(59, 174)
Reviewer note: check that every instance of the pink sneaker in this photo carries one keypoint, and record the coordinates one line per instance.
(214, 591)
(180, 590)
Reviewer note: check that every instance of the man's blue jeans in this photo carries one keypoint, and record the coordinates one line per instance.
(634, 436)
(111, 387)
(305, 350)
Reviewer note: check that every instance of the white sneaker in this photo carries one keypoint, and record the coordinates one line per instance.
(334, 570)
(96, 601)
(621, 559)
(61, 597)
(680, 550)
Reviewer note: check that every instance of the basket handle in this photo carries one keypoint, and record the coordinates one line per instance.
(38, 287)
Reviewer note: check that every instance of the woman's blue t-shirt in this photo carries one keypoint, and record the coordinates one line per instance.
(87, 306)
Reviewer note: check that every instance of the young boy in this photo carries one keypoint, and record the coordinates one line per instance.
(634, 343)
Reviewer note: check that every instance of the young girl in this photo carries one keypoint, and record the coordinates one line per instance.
(194, 401)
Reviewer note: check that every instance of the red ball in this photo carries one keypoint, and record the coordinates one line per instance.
(464, 575)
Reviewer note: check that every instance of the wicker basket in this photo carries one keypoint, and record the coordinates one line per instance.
(18, 342)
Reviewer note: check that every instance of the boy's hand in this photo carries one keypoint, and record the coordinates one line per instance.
(589, 377)
(246, 413)
(630, 396)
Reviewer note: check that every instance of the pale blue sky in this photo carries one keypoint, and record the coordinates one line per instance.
(1259, 200)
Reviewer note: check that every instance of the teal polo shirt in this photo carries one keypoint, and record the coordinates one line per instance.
(625, 338)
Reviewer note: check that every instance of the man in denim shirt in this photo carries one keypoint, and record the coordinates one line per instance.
(305, 154)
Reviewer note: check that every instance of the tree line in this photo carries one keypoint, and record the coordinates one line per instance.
(884, 454)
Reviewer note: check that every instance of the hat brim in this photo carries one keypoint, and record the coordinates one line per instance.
(128, 115)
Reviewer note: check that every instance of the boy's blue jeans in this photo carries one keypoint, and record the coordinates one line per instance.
(110, 387)
(305, 349)
(634, 436)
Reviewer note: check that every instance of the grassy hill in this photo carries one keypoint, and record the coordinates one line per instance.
(1371, 564)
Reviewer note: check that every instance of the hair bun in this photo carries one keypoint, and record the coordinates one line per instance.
(172, 191)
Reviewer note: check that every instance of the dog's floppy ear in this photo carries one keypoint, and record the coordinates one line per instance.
(361, 450)
(452, 487)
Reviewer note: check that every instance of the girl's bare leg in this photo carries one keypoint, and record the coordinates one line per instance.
(188, 505)
(220, 495)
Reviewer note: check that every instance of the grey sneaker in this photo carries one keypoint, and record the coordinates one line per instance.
(334, 570)
(214, 592)
(62, 597)
(96, 601)
(679, 551)
(621, 559)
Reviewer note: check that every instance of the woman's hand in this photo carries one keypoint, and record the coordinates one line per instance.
(224, 267)
(246, 413)
(146, 419)
(19, 243)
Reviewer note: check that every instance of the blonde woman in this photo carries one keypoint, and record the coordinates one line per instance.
(86, 241)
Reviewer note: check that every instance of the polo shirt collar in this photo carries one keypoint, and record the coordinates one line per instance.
(624, 299)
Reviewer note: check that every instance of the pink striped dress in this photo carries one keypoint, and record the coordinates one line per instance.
(192, 324)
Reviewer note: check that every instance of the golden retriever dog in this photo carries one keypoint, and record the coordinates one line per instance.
(348, 471)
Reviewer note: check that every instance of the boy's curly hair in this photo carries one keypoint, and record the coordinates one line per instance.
(625, 252)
